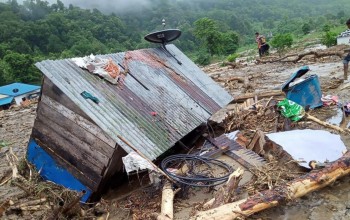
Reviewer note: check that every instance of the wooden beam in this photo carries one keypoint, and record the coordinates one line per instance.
(259, 95)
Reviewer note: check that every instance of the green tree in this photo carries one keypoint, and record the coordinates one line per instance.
(206, 30)
(21, 68)
(306, 28)
(282, 41)
(326, 27)
(229, 42)
(329, 38)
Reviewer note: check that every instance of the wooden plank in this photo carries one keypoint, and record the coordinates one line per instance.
(92, 181)
(51, 90)
(263, 94)
(81, 121)
(73, 146)
(116, 163)
(67, 150)
(101, 149)
(45, 116)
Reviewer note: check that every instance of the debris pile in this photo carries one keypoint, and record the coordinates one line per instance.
(264, 149)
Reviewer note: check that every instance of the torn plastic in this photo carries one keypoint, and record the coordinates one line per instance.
(292, 110)
(105, 68)
(134, 162)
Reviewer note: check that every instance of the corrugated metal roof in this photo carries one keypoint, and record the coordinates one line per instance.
(5, 101)
(182, 96)
(16, 89)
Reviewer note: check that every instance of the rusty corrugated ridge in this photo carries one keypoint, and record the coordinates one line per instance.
(182, 96)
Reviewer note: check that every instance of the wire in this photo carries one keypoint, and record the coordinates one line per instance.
(193, 177)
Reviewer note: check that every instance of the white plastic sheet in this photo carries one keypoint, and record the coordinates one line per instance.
(134, 162)
(306, 145)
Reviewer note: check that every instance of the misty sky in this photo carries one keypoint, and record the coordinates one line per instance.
(103, 5)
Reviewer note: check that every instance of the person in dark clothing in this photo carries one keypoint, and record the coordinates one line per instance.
(263, 47)
(346, 59)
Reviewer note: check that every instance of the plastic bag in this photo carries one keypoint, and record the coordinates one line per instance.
(292, 110)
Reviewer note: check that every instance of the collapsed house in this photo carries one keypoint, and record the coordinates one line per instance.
(85, 125)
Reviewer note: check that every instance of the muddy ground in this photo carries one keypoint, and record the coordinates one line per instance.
(332, 202)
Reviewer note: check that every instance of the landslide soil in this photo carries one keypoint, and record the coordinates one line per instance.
(332, 202)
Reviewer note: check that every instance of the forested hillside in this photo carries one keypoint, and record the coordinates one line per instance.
(37, 30)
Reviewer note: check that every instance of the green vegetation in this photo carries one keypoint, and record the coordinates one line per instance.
(282, 41)
(3, 144)
(37, 30)
(232, 57)
(329, 38)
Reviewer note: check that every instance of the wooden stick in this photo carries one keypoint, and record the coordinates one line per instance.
(149, 161)
(337, 128)
(11, 158)
(29, 208)
(280, 195)
(31, 202)
(225, 193)
(70, 205)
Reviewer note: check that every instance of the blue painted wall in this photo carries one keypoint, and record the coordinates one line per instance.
(51, 171)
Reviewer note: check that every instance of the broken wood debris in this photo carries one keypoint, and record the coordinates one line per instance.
(226, 193)
(294, 189)
(300, 56)
(259, 95)
(167, 204)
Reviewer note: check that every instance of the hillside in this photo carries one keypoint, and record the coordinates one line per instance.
(35, 30)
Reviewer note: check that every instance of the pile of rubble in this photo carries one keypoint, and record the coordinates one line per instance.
(242, 164)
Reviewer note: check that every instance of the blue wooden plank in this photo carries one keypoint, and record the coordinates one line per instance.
(51, 171)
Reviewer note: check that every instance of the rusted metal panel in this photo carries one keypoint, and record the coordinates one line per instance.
(182, 96)
(247, 158)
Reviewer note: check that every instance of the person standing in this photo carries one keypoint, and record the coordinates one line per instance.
(258, 41)
(346, 59)
(263, 47)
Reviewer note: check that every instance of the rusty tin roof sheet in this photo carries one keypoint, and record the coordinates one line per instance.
(182, 96)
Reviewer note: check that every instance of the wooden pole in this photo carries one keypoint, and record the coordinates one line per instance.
(334, 127)
(294, 189)
(167, 206)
